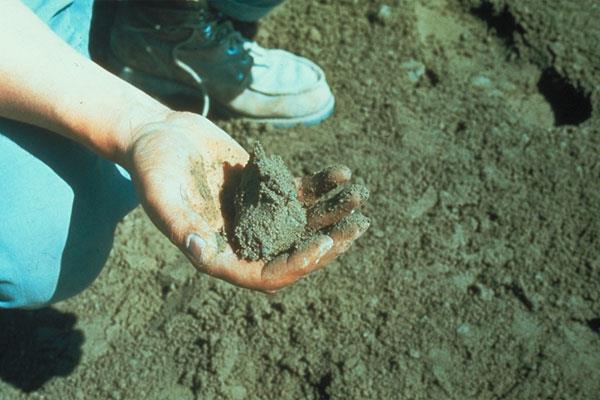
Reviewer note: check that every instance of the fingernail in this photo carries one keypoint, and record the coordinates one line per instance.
(326, 245)
(195, 246)
(356, 191)
(339, 172)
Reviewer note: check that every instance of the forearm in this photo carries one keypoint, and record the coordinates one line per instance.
(46, 83)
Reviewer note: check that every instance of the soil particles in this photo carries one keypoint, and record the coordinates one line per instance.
(475, 124)
(269, 218)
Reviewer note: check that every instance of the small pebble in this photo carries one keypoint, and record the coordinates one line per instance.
(414, 353)
(378, 233)
(176, 274)
(314, 34)
(414, 70)
(196, 306)
(481, 81)
(384, 14)
(463, 329)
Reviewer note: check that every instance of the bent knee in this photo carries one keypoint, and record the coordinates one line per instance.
(49, 281)
(26, 290)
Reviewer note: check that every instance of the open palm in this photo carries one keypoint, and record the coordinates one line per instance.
(185, 170)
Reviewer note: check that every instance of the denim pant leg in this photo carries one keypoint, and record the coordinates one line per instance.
(245, 10)
(60, 202)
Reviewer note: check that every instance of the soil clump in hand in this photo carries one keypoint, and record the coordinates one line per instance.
(269, 218)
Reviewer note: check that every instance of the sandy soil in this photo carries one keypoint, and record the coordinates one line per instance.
(476, 126)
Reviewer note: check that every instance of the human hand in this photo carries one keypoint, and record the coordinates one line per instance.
(184, 169)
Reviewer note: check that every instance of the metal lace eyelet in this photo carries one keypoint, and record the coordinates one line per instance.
(240, 76)
(207, 30)
(232, 50)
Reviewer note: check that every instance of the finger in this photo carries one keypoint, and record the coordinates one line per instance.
(344, 233)
(288, 268)
(314, 186)
(330, 211)
(227, 266)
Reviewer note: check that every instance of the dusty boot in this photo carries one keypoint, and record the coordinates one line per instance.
(188, 48)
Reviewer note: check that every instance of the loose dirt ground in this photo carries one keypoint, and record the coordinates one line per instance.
(476, 126)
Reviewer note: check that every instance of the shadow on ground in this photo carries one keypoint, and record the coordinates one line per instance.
(36, 346)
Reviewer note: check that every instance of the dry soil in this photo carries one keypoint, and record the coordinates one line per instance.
(476, 125)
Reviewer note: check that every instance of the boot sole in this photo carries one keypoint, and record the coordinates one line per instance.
(278, 122)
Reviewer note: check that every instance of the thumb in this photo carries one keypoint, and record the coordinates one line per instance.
(185, 227)
(200, 250)
(193, 235)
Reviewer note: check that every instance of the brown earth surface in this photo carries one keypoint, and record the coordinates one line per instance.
(475, 124)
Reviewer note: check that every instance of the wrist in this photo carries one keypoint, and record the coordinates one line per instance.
(130, 123)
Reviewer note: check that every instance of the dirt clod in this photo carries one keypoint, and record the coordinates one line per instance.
(269, 217)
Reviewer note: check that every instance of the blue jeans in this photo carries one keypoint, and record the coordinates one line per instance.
(245, 10)
(59, 202)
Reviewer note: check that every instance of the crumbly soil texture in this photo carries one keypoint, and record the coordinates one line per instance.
(476, 125)
(269, 218)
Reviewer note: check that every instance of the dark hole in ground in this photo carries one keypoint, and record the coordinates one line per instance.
(461, 126)
(474, 290)
(594, 324)
(432, 76)
(520, 294)
(503, 21)
(570, 104)
(323, 385)
(492, 216)
(279, 307)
